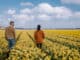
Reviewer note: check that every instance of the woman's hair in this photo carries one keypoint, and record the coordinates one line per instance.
(11, 22)
(38, 27)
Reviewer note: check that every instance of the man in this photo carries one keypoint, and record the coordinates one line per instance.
(39, 36)
(10, 34)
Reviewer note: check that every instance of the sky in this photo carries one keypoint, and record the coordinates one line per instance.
(47, 13)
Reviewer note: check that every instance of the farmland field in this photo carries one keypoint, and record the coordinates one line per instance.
(57, 45)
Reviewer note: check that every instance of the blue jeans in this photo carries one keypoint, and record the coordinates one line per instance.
(11, 43)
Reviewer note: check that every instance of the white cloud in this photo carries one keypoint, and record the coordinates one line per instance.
(26, 11)
(26, 4)
(11, 11)
(56, 12)
(44, 17)
(62, 12)
(43, 11)
(71, 1)
(23, 17)
(77, 14)
(44, 8)
(3, 21)
(45, 14)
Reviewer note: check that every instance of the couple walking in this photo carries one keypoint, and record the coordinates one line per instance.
(10, 35)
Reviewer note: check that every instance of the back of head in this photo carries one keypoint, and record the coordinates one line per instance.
(12, 23)
(38, 27)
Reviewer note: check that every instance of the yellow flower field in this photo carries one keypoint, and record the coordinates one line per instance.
(57, 45)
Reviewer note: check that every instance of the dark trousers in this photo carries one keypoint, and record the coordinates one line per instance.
(11, 43)
(39, 45)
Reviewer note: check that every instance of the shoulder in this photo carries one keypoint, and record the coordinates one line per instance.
(7, 27)
(41, 30)
(35, 32)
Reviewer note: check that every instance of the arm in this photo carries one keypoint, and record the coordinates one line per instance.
(14, 34)
(43, 34)
(13, 30)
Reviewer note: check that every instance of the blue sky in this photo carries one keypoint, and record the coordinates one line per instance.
(48, 13)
